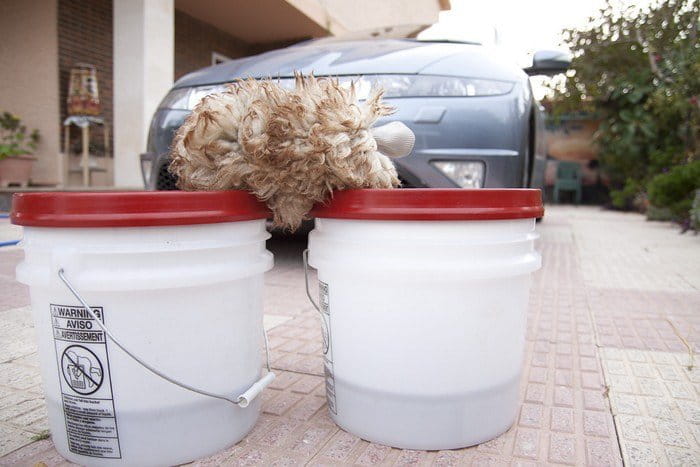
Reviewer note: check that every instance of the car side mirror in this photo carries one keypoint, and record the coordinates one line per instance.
(549, 63)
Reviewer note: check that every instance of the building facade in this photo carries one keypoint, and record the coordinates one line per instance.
(139, 47)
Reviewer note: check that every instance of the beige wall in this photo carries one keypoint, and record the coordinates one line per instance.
(274, 21)
(386, 18)
(29, 76)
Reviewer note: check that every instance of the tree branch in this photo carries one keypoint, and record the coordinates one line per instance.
(652, 61)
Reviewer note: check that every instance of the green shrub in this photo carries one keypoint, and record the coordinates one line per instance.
(658, 214)
(637, 69)
(695, 212)
(15, 139)
(675, 190)
(624, 198)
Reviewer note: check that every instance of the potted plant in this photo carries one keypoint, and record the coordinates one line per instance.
(16, 148)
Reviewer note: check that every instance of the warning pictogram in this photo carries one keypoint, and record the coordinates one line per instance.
(86, 383)
(82, 369)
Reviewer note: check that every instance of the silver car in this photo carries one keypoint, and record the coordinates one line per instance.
(476, 121)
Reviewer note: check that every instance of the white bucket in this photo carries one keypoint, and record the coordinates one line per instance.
(177, 278)
(423, 295)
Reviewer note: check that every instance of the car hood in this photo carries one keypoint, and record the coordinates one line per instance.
(334, 57)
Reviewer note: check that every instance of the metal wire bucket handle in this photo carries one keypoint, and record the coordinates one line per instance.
(242, 400)
(305, 257)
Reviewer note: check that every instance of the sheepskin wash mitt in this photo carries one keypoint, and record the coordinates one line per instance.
(289, 147)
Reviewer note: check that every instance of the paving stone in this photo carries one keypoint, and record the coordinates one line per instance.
(14, 295)
(600, 452)
(671, 434)
(9, 258)
(535, 393)
(306, 384)
(633, 427)
(622, 252)
(562, 420)
(640, 454)
(527, 444)
(50, 458)
(284, 379)
(681, 457)
(12, 438)
(409, 457)
(531, 415)
(496, 445)
(647, 320)
(624, 404)
(563, 396)
(658, 407)
(591, 380)
(218, 459)
(481, 460)
(656, 421)
(280, 404)
(25, 455)
(312, 439)
(596, 423)
(11, 398)
(31, 359)
(563, 378)
(339, 447)
(562, 449)
(307, 408)
(18, 377)
(448, 458)
(594, 400)
(14, 411)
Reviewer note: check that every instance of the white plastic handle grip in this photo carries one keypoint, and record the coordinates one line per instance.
(247, 397)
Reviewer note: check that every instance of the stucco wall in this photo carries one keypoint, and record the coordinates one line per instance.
(388, 18)
(29, 76)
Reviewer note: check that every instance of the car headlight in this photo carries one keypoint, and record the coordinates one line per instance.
(427, 86)
(188, 98)
(464, 174)
(395, 86)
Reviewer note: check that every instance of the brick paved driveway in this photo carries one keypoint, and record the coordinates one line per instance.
(613, 316)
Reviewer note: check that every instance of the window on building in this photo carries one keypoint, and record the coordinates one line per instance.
(217, 58)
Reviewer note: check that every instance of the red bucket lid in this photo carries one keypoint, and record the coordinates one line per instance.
(433, 204)
(134, 208)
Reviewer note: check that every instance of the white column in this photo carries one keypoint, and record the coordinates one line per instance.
(143, 74)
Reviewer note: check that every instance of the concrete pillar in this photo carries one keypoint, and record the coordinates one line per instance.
(143, 74)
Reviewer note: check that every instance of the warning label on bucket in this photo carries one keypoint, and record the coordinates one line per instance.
(86, 385)
(327, 346)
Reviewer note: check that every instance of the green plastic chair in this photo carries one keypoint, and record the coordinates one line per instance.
(568, 179)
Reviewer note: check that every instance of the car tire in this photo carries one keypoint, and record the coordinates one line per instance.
(165, 181)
